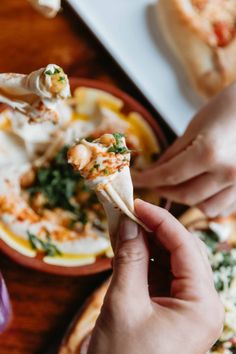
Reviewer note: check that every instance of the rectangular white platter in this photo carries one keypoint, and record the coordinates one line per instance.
(129, 30)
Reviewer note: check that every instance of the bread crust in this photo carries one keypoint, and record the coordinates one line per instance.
(193, 219)
(85, 322)
(209, 66)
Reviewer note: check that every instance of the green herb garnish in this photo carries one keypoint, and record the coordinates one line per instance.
(118, 147)
(224, 270)
(58, 183)
(95, 167)
(210, 238)
(118, 136)
(49, 72)
(46, 246)
(72, 223)
(61, 187)
(61, 78)
(81, 217)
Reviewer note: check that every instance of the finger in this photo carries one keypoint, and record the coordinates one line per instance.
(178, 145)
(130, 267)
(203, 249)
(138, 177)
(220, 202)
(194, 191)
(230, 210)
(186, 260)
(196, 124)
(178, 169)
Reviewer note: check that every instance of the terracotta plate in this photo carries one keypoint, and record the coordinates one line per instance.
(101, 264)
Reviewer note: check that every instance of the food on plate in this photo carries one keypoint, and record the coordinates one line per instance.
(77, 340)
(219, 235)
(202, 34)
(36, 94)
(48, 8)
(47, 209)
(104, 164)
(224, 227)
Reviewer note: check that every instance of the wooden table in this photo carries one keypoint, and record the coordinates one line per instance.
(44, 305)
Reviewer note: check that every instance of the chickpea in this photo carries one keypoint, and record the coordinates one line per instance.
(28, 178)
(58, 82)
(107, 139)
(38, 201)
(79, 156)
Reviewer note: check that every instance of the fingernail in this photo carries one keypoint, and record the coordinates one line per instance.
(128, 229)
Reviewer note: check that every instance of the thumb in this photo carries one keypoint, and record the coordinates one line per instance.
(130, 267)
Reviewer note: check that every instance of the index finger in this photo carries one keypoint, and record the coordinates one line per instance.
(177, 169)
(186, 259)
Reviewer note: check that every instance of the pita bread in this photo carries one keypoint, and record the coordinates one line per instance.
(49, 8)
(36, 94)
(201, 34)
(104, 163)
(76, 341)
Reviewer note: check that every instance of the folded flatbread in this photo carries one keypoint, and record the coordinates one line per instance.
(78, 338)
(202, 35)
(104, 163)
(49, 8)
(37, 94)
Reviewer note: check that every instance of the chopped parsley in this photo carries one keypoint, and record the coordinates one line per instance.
(223, 262)
(118, 147)
(82, 218)
(72, 223)
(59, 184)
(61, 78)
(210, 238)
(46, 246)
(118, 136)
(224, 268)
(50, 73)
(96, 165)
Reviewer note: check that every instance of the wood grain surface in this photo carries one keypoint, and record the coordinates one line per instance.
(44, 305)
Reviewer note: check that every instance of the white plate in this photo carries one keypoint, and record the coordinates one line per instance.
(129, 31)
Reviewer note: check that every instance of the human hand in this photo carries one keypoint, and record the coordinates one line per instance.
(200, 167)
(189, 321)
